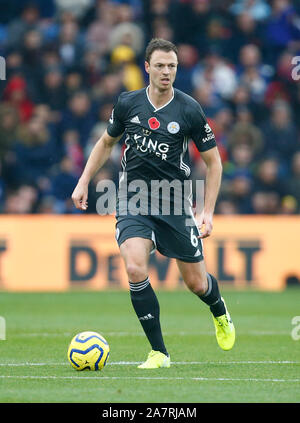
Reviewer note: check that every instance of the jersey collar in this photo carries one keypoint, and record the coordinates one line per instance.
(159, 108)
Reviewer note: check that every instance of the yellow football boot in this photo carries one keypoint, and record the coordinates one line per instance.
(155, 360)
(225, 331)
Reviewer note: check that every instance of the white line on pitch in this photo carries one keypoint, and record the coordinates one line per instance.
(180, 333)
(125, 363)
(101, 378)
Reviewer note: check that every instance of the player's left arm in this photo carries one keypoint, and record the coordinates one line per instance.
(213, 163)
(205, 141)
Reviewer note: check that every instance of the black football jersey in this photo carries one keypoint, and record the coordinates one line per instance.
(156, 139)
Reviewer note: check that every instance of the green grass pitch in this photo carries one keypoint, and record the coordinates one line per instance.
(263, 366)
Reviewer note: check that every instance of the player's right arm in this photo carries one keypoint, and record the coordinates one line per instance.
(99, 155)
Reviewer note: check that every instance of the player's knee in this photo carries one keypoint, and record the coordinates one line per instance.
(198, 287)
(136, 272)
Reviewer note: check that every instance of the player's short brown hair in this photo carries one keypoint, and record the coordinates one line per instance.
(159, 44)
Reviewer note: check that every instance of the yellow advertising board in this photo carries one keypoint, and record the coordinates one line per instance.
(56, 253)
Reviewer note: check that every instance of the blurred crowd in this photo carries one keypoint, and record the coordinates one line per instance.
(68, 60)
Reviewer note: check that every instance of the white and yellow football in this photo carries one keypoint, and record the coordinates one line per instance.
(88, 350)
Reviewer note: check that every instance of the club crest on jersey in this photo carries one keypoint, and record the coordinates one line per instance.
(173, 127)
(153, 123)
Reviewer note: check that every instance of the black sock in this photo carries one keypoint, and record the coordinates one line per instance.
(212, 297)
(146, 306)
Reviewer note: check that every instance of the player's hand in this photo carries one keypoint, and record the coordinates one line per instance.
(80, 195)
(205, 224)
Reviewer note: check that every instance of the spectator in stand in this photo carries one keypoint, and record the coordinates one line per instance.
(9, 121)
(284, 69)
(252, 73)
(44, 113)
(293, 181)
(92, 67)
(219, 35)
(238, 177)
(265, 202)
(126, 31)
(32, 49)
(12, 203)
(22, 200)
(79, 115)
(245, 31)
(240, 191)
(28, 20)
(268, 178)
(244, 115)
(209, 100)
(280, 134)
(241, 161)
(77, 7)
(158, 17)
(63, 184)
(289, 205)
(109, 87)
(124, 59)
(162, 29)
(28, 198)
(226, 206)
(50, 59)
(15, 64)
(282, 87)
(241, 100)
(222, 125)
(15, 94)
(74, 82)
(190, 24)
(216, 71)
(282, 29)
(46, 205)
(257, 9)
(256, 84)
(70, 44)
(52, 90)
(35, 151)
(246, 133)
(98, 32)
(187, 60)
(73, 150)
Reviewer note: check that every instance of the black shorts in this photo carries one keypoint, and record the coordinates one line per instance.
(171, 235)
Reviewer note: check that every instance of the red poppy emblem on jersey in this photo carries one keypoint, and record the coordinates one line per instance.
(153, 123)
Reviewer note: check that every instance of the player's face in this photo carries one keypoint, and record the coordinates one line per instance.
(162, 69)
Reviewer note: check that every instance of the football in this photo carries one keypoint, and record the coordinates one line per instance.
(88, 350)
